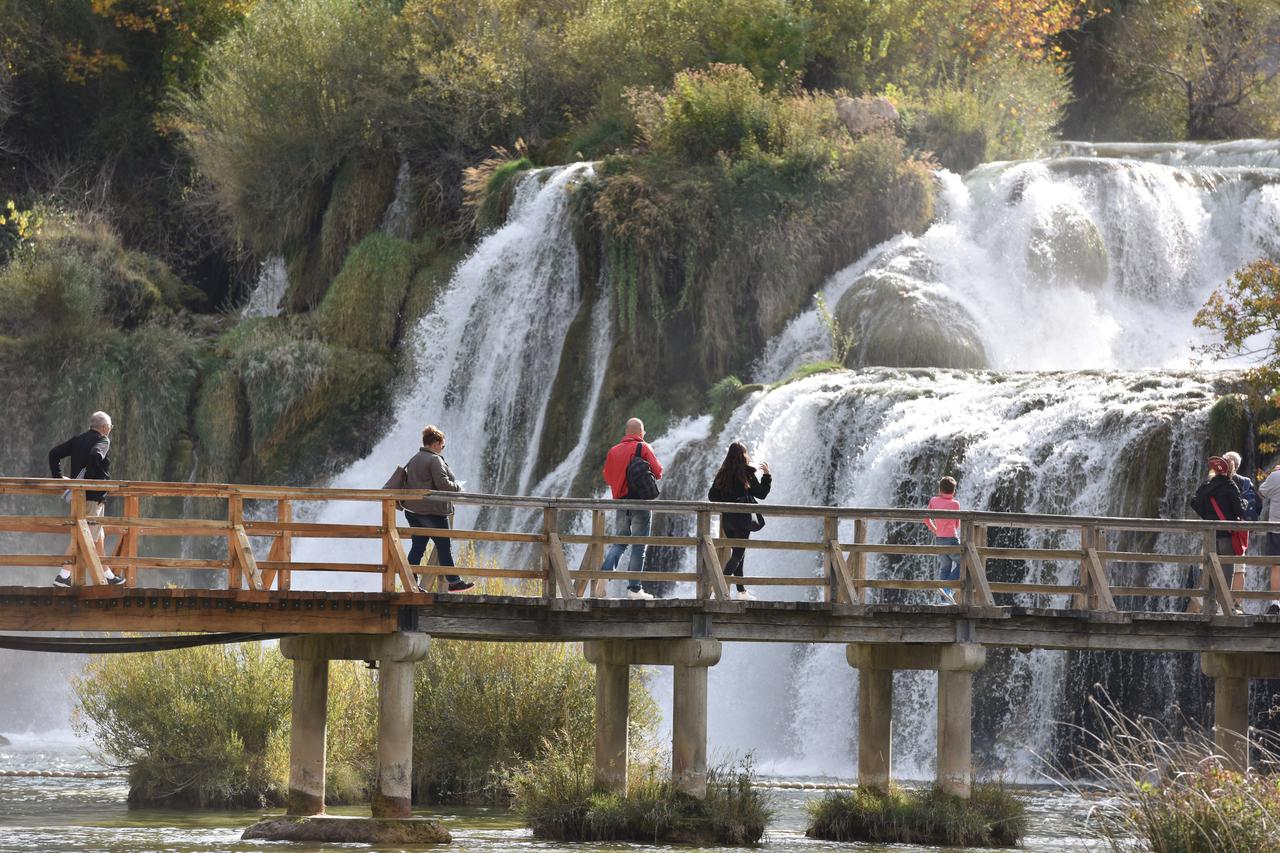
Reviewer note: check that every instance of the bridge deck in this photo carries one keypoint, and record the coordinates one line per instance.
(514, 618)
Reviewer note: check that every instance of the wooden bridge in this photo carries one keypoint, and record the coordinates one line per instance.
(852, 590)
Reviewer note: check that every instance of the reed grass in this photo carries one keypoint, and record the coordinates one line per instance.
(993, 817)
(1172, 790)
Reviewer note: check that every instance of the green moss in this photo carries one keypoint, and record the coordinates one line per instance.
(806, 370)
(362, 189)
(362, 307)
(1229, 424)
(499, 192)
(221, 423)
(993, 817)
(438, 257)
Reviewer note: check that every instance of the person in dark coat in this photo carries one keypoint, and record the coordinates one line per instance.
(428, 470)
(1218, 498)
(736, 482)
(90, 460)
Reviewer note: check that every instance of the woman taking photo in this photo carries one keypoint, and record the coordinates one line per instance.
(736, 482)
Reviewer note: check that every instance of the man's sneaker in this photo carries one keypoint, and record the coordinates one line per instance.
(460, 586)
(744, 595)
(639, 595)
(61, 581)
(115, 580)
(1273, 609)
(947, 597)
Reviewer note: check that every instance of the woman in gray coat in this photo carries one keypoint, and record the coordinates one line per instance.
(428, 470)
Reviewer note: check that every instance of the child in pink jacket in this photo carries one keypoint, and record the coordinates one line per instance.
(946, 531)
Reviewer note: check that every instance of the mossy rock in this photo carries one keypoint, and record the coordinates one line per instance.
(312, 406)
(1230, 425)
(144, 379)
(362, 308)
(1067, 248)
(363, 188)
(900, 318)
(993, 817)
(221, 423)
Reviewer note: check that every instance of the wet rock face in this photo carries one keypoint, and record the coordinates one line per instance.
(350, 830)
(1066, 248)
(899, 318)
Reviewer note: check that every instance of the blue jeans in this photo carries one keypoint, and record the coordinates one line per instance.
(628, 522)
(948, 564)
(444, 546)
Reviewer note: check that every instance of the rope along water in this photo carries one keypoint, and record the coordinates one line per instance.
(125, 645)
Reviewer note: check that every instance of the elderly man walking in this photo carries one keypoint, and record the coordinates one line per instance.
(89, 461)
(628, 462)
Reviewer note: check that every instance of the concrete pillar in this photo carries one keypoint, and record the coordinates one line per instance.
(613, 696)
(306, 737)
(875, 728)
(955, 728)
(689, 730)
(1231, 720)
(392, 796)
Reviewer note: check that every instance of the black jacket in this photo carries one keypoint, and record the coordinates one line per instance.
(1222, 489)
(735, 524)
(88, 452)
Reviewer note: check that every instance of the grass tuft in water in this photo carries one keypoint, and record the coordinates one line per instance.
(993, 817)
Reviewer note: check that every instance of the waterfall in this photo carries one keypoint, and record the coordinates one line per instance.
(1075, 278)
(487, 355)
(264, 299)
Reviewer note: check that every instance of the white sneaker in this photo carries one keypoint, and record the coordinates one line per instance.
(947, 597)
(1273, 609)
(639, 595)
(745, 595)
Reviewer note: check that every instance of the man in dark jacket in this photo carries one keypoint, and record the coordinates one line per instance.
(428, 470)
(1218, 498)
(89, 461)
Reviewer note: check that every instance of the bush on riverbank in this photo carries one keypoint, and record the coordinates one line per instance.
(209, 726)
(993, 817)
(555, 794)
(1175, 793)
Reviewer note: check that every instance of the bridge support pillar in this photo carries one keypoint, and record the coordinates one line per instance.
(1231, 674)
(395, 654)
(690, 659)
(307, 737)
(613, 692)
(955, 664)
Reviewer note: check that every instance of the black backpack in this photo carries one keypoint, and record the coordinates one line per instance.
(641, 484)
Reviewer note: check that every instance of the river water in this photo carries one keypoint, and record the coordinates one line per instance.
(92, 816)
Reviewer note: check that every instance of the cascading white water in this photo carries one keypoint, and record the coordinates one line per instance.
(273, 281)
(1092, 263)
(487, 356)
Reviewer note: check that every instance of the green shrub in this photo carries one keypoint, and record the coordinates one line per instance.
(483, 708)
(192, 725)
(284, 101)
(493, 200)
(555, 796)
(993, 817)
(362, 308)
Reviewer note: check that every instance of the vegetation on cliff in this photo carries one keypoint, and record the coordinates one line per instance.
(209, 726)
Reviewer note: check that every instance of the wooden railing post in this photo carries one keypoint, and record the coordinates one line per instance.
(1216, 587)
(129, 541)
(395, 563)
(593, 557)
(1084, 599)
(243, 565)
(702, 530)
(555, 567)
(830, 533)
(1098, 591)
(78, 569)
(860, 590)
(973, 566)
(284, 513)
(710, 561)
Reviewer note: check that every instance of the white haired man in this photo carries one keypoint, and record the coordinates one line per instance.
(89, 461)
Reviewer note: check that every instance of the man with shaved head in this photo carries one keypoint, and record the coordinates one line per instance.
(621, 468)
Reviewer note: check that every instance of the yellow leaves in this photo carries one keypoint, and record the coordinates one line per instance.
(25, 223)
(81, 66)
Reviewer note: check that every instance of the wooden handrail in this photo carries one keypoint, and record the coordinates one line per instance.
(843, 579)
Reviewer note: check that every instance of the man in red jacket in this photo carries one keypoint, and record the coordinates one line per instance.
(629, 522)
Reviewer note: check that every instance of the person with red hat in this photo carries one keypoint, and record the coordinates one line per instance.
(1218, 498)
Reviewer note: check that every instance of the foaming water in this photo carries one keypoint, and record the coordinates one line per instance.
(1074, 262)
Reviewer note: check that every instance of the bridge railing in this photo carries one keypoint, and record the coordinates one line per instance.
(840, 547)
